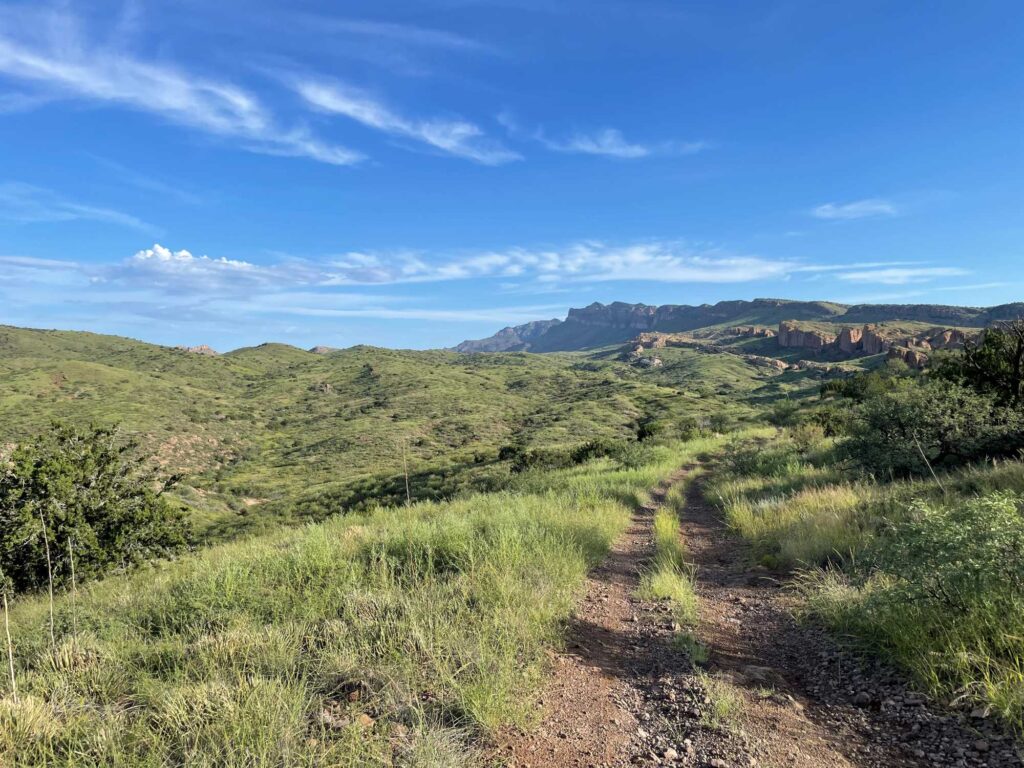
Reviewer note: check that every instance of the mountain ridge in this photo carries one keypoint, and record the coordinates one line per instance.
(600, 324)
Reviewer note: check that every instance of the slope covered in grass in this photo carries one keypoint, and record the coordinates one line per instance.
(405, 634)
(274, 433)
(928, 571)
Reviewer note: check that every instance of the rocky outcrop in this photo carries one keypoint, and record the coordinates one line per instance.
(201, 349)
(791, 336)
(915, 357)
(849, 340)
(648, 362)
(319, 349)
(753, 331)
(873, 340)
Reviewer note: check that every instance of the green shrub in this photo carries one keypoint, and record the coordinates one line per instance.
(943, 591)
(935, 423)
(85, 492)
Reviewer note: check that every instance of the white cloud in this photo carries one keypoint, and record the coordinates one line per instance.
(454, 137)
(591, 261)
(66, 64)
(859, 209)
(608, 142)
(399, 33)
(25, 203)
(902, 275)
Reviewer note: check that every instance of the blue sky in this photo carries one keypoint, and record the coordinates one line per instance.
(413, 174)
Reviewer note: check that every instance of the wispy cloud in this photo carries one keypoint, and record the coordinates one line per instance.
(901, 275)
(454, 137)
(148, 182)
(610, 142)
(607, 142)
(514, 314)
(24, 203)
(399, 33)
(31, 262)
(589, 261)
(859, 209)
(66, 64)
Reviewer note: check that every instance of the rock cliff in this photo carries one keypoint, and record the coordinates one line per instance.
(599, 325)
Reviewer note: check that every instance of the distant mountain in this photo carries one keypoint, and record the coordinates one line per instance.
(599, 325)
(511, 339)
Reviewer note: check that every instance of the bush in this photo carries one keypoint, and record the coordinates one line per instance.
(934, 422)
(595, 449)
(943, 591)
(87, 490)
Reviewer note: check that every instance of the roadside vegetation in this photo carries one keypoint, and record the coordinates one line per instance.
(381, 637)
(898, 499)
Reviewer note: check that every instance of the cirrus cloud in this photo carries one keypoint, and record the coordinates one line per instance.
(872, 207)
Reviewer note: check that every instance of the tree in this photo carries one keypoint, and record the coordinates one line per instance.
(935, 422)
(994, 363)
(88, 488)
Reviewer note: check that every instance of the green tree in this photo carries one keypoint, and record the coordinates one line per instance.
(937, 422)
(85, 492)
(994, 363)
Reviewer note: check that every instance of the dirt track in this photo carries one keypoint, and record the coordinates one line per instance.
(622, 693)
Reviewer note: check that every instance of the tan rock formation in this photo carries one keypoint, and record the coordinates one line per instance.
(915, 357)
(792, 336)
(202, 349)
(753, 331)
(850, 340)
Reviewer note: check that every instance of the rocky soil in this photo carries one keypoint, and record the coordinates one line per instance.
(625, 690)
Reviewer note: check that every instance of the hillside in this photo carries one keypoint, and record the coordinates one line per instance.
(602, 324)
(273, 432)
(572, 521)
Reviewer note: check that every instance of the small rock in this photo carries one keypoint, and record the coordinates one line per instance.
(862, 699)
(670, 754)
(717, 762)
(981, 745)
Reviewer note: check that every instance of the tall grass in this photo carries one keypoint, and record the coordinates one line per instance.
(926, 571)
(383, 637)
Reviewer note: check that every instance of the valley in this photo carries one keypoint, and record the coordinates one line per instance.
(728, 545)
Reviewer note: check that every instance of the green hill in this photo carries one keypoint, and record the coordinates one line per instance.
(273, 432)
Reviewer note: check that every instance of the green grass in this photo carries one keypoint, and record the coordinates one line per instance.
(274, 434)
(927, 573)
(430, 620)
(670, 577)
(726, 703)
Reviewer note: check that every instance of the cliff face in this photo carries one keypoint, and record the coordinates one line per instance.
(872, 340)
(791, 335)
(511, 339)
(598, 325)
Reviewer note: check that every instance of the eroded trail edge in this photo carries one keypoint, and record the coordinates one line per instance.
(805, 701)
